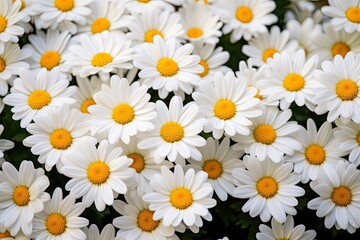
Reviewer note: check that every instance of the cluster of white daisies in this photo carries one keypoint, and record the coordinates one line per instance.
(134, 98)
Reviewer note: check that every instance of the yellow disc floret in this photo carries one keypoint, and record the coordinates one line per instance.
(21, 196)
(353, 14)
(181, 198)
(50, 59)
(87, 103)
(123, 114)
(64, 5)
(268, 53)
(347, 90)
(205, 66)
(5, 234)
(3, 23)
(172, 132)
(101, 59)
(265, 134)
(167, 67)
(267, 187)
(315, 154)
(138, 162)
(224, 109)
(341, 196)
(194, 32)
(213, 168)
(39, 99)
(100, 25)
(294, 82)
(61, 139)
(244, 14)
(340, 48)
(150, 34)
(146, 222)
(98, 172)
(55, 224)
(2, 64)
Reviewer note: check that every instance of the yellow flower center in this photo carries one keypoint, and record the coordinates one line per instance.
(138, 162)
(21, 196)
(267, 187)
(23, 5)
(61, 139)
(64, 5)
(293, 82)
(39, 99)
(146, 222)
(213, 168)
(5, 234)
(143, 1)
(224, 109)
(50, 59)
(2, 64)
(358, 138)
(181, 198)
(55, 224)
(98, 172)
(206, 68)
(265, 134)
(100, 25)
(150, 34)
(123, 114)
(244, 14)
(340, 48)
(87, 103)
(353, 14)
(341, 196)
(167, 67)
(194, 32)
(204, 1)
(172, 132)
(315, 154)
(3, 23)
(347, 90)
(258, 95)
(268, 53)
(101, 59)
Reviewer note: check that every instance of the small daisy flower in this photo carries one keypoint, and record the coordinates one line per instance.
(344, 15)
(54, 133)
(4, 144)
(136, 6)
(22, 195)
(137, 221)
(319, 151)
(270, 187)
(227, 104)
(5, 234)
(121, 110)
(180, 197)
(338, 90)
(339, 196)
(85, 93)
(100, 53)
(284, 231)
(218, 160)
(270, 136)
(60, 219)
(168, 66)
(176, 132)
(97, 173)
(246, 18)
(47, 49)
(266, 44)
(93, 233)
(33, 93)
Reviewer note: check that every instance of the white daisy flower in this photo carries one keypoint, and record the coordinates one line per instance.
(100, 53)
(60, 219)
(139, 6)
(338, 89)
(180, 197)
(270, 187)
(168, 66)
(85, 93)
(4, 144)
(246, 18)
(11, 60)
(344, 14)
(5, 234)
(339, 197)
(97, 173)
(137, 221)
(218, 160)
(319, 151)
(270, 136)
(266, 44)
(32, 94)
(286, 230)
(54, 133)
(22, 194)
(227, 104)
(176, 132)
(93, 233)
(47, 49)
(121, 110)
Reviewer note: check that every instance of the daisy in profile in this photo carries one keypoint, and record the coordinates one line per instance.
(180, 197)
(227, 104)
(270, 187)
(122, 110)
(85, 93)
(244, 18)
(286, 230)
(167, 66)
(47, 49)
(22, 195)
(137, 221)
(271, 135)
(338, 89)
(51, 139)
(266, 44)
(338, 197)
(60, 219)
(136, 6)
(218, 160)
(11, 60)
(97, 173)
(93, 233)
(176, 132)
(344, 15)
(100, 53)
